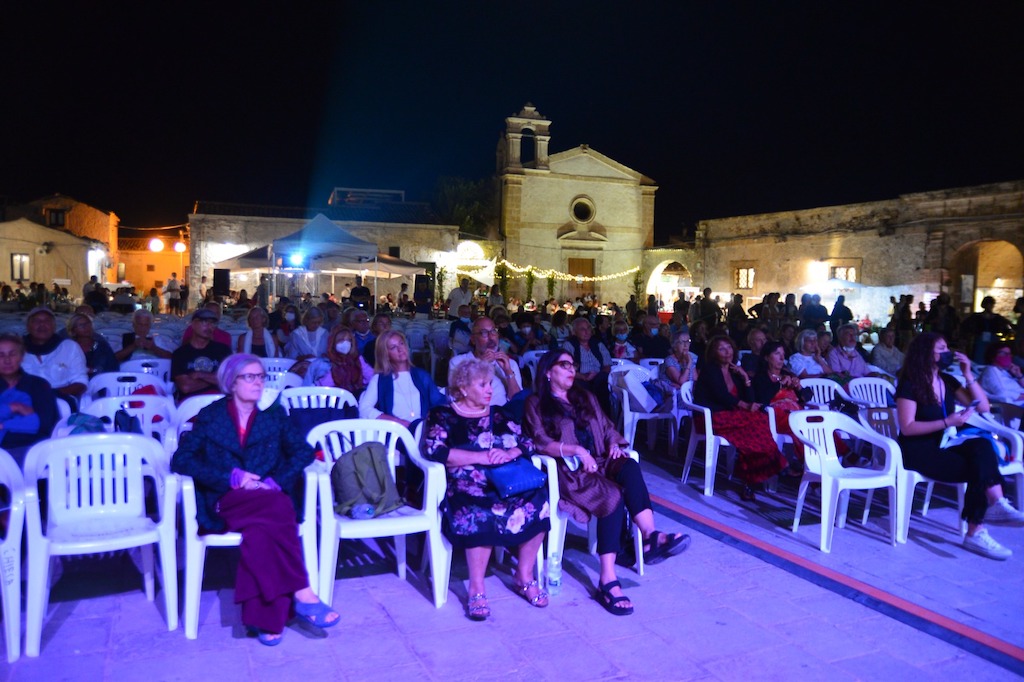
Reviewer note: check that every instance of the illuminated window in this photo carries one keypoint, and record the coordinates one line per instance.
(744, 278)
(847, 273)
(19, 266)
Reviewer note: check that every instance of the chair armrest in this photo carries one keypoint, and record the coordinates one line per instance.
(436, 483)
(189, 507)
(550, 464)
(1013, 438)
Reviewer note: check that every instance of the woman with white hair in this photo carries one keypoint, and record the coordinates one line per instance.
(808, 360)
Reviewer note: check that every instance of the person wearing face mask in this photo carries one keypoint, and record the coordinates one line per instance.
(651, 343)
(343, 366)
(459, 333)
(620, 348)
(289, 321)
(845, 359)
(530, 335)
(925, 407)
(1002, 379)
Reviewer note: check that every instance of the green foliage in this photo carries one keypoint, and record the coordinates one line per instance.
(640, 286)
(501, 271)
(530, 281)
(551, 287)
(470, 204)
(439, 284)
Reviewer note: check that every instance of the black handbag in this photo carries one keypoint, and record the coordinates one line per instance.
(515, 477)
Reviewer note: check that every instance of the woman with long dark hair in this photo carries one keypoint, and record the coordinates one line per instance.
(596, 477)
(925, 407)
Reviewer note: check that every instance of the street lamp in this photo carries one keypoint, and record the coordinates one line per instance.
(155, 245)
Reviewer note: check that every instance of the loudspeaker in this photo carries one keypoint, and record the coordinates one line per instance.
(221, 282)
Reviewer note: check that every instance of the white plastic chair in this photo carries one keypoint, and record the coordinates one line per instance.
(560, 519)
(159, 367)
(529, 360)
(816, 429)
(702, 431)
(304, 397)
(97, 504)
(872, 391)
(437, 344)
(110, 384)
(824, 391)
(186, 412)
(336, 438)
(1014, 442)
(651, 364)
(156, 413)
(638, 405)
(196, 544)
(10, 554)
(277, 372)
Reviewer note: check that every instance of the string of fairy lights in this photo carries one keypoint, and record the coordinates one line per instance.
(522, 271)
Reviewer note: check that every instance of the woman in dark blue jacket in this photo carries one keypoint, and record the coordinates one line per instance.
(248, 469)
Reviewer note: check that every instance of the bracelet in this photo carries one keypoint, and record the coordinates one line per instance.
(560, 454)
(944, 424)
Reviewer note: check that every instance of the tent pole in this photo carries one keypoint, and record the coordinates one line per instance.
(375, 299)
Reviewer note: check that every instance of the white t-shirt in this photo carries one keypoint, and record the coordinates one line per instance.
(498, 394)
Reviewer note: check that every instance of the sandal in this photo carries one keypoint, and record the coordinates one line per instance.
(610, 602)
(747, 494)
(659, 551)
(316, 614)
(540, 600)
(477, 608)
(266, 638)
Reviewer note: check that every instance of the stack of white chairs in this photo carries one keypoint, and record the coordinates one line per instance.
(278, 374)
(96, 503)
(111, 384)
(10, 554)
(336, 438)
(817, 430)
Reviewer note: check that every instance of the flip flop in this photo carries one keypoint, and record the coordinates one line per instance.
(266, 638)
(316, 614)
(610, 602)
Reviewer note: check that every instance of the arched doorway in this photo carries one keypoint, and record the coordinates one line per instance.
(986, 268)
(667, 279)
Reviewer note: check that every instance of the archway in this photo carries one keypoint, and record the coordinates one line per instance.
(667, 279)
(986, 268)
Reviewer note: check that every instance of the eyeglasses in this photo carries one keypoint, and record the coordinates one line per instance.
(567, 365)
(251, 378)
(487, 332)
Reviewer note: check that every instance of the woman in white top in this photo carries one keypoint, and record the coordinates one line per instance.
(258, 340)
(309, 340)
(398, 392)
(1002, 380)
(808, 361)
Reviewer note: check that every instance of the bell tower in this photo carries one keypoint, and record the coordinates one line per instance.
(529, 126)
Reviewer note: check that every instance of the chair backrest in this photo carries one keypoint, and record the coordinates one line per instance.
(881, 420)
(817, 428)
(120, 384)
(159, 367)
(651, 364)
(156, 413)
(96, 475)
(638, 397)
(12, 479)
(190, 407)
(686, 392)
(871, 390)
(302, 397)
(335, 438)
(277, 371)
(824, 390)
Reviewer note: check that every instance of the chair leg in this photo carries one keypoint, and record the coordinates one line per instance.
(36, 597)
(711, 446)
(400, 555)
(867, 506)
(195, 563)
(440, 565)
(10, 585)
(169, 579)
(328, 566)
(893, 502)
(691, 449)
(905, 503)
(844, 506)
(638, 543)
(829, 503)
(147, 570)
(927, 498)
(804, 484)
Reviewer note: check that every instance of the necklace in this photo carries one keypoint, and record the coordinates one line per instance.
(468, 411)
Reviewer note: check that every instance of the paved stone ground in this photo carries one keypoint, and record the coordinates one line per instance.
(721, 611)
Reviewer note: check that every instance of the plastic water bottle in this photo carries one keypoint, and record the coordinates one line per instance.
(555, 574)
(362, 511)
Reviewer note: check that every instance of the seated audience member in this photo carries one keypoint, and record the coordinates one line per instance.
(258, 340)
(460, 331)
(808, 361)
(651, 344)
(99, 356)
(218, 334)
(381, 323)
(194, 365)
(677, 369)
(751, 362)
(506, 336)
(506, 379)
(308, 340)
(1002, 379)
(467, 436)
(844, 358)
(778, 388)
(60, 361)
(619, 348)
(141, 343)
(28, 406)
(398, 391)
(592, 359)
(596, 476)
(787, 335)
(886, 356)
(726, 390)
(926, 401)
(559, 330)
(248, 464)
(343, 367)
(530, 335)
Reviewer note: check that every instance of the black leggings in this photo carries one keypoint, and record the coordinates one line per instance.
(635, 498)
(973, 462)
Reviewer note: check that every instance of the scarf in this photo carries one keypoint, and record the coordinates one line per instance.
(44, 348)
(268, 343)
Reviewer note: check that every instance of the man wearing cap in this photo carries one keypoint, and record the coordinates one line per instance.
(219, 335)
(194, 365)
(60, 361)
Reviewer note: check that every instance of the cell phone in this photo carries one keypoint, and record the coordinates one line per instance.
(974, 403)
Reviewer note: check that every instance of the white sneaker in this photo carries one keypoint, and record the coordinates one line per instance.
(1002, 512)
(984, 544)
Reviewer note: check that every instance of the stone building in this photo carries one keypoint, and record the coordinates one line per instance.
(37, 253)
(575, 211)
(403, 229)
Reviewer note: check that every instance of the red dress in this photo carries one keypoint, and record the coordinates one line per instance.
(758, 455)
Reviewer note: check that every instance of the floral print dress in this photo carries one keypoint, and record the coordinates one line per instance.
(473, 513)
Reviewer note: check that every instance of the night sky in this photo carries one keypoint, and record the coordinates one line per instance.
(733, 108)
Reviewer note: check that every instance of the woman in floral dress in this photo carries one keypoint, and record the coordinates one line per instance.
(467, 436)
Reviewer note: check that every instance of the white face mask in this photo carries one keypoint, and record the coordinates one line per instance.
(290, 317)
(343, 347)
